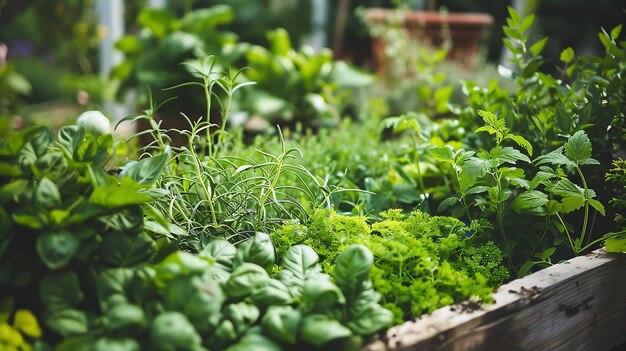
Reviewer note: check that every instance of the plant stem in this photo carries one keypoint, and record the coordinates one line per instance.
(586, 215)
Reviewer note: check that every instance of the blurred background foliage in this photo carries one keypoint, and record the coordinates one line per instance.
(50, 62)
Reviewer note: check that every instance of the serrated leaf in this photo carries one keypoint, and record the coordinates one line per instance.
(565, 188)
(521, 141)
(540, 178)
(555, 157)
(578, 147)
(531, 199)
(508, 155)
(442, 154)
(570, 204)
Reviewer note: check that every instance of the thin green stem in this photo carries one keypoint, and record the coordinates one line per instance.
(569, 238)
(586, 215)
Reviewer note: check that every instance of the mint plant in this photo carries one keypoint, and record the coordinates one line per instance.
(493, 182)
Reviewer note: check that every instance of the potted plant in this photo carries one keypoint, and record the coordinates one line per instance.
(459, 33)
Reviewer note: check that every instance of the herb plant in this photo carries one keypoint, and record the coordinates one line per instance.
(225, 299)
(586, 94)
(492, 182)
(208, 191)
(420, 262)
(64, 218)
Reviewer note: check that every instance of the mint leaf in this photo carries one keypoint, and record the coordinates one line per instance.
(508, 154)
(565, 188)
(442, 154)
(532, 200)
(521, 141)
(578, 149)
(555, 157)
(571, 204)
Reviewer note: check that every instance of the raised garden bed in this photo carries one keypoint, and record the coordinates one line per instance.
(574, 305)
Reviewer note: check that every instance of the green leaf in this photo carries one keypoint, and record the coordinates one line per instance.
(570, 204)
(221, 251)
(446, 203)
(615, 244)
(274, 292)
(565, 188)
(145, 171)
(125, 193)
(126, 249)
(352, 268)
(442, 154)
(555, 157)
(526, 23)
(567, 55)
(545, 254)
(530, 201)
(59, 291)
(615, 32)
(320, 329)
(597, 205)
(521, 141)
(578, 148)
(173, 331)
(514, 15)
(244, 279)
(47, 193)
(258, 250)
(158, 21)
(16, 142)
(296, 262)
(70, 137)
(508, 155)
(370, 318)
(198, 298)
(116, 344)
(68, 322)
(537, 47)
(56, 249)
(253, 340)
(320, 295)
(26, 322)
(282, 323)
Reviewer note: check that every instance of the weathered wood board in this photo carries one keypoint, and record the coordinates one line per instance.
(579, 304)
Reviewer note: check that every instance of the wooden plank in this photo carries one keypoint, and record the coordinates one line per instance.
(579, 304)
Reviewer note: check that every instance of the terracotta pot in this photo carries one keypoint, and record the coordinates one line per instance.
(465, 30)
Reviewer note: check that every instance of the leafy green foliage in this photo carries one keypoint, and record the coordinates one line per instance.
(217, 301)
(17, 327)
(420, 262)
(586, 94)
(63, 218)
(297, 86)
(492, 182)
